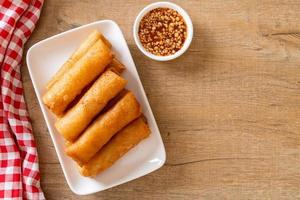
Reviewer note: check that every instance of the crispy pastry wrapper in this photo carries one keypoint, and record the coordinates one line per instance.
(84, 71)
(82, 49)
(120, 144)
(105, 88)
(104, 128)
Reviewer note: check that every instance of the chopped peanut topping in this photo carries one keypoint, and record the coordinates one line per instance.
(162, 31)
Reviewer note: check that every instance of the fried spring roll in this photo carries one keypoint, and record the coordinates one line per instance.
(106, 87)
(83, 48)
(120, 144)
(75, 79)
(103, 128)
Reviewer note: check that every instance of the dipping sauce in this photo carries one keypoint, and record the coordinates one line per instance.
(162, 31)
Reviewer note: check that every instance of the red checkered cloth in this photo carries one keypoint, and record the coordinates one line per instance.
(19, 170)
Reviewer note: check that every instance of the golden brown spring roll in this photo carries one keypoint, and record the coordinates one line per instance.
(85, 70)
(103, 128)
(106, 87)
(120, 144)
(83, 48)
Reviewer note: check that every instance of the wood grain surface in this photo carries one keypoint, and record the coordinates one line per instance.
(228, 109)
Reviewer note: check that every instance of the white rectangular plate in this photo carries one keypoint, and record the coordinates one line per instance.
(45, 58)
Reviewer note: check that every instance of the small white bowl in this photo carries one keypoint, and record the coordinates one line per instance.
(186, 18)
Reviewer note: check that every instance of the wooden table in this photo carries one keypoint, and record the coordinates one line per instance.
(228, 109)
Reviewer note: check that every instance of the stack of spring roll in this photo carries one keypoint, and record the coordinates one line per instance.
(98, 118)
